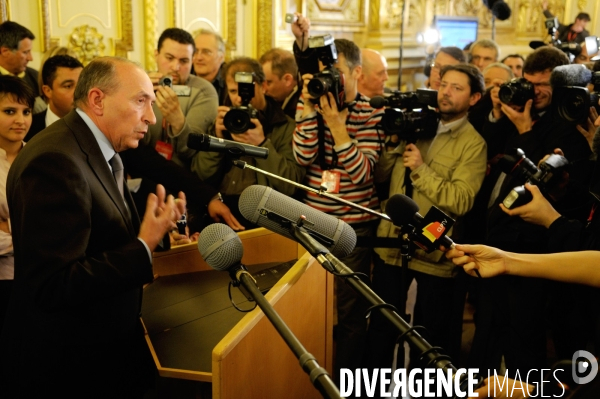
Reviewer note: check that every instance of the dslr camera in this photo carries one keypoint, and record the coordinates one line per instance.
(546, 177)
(329, 80)
(411, 115)
(237, 119)
(516, 92)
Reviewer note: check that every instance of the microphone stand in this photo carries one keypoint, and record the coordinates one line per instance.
(429, 354)
(321, 192)
(318, 375)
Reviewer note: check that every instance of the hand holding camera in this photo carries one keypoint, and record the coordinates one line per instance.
(168, 104)
(538, 211)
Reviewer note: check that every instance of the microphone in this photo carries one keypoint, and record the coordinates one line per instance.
(205, 142)
(272, 210)
(378, 102)
(221, 247)
(570, 75)
(430, 231)
(499, 8)
(534, 44)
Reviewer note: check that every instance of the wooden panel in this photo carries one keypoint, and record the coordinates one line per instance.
(260, 246)
(255, 349)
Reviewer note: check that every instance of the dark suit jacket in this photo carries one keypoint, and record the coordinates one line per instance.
(79, 268)
(38, 123)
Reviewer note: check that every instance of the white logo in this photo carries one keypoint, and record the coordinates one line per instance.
(582, 367)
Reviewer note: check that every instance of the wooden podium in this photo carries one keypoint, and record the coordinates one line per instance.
(249, 359)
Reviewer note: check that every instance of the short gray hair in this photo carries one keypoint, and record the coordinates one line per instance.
(100, 73)
(501, 66)
(487, 43)
(218, 38)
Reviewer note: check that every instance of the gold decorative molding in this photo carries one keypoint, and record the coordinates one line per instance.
(150, 29)
(347, 13)
(173, 13)
(87, 43)
(230, 25)
(264, 34)
(125, 41)
(4, 10)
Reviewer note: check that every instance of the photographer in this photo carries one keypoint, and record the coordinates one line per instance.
(445, 56)
(445, 171)
(340, 148)
(572, 33)
(191, 109)
(271, 129)
(510, 320)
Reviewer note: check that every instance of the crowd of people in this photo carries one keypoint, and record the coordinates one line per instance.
(106, 172)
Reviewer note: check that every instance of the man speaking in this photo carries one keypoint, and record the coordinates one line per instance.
(81, 253)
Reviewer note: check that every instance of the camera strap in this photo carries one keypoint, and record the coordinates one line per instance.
(321, 154)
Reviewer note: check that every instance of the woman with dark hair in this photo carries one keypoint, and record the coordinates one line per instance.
(16, 104)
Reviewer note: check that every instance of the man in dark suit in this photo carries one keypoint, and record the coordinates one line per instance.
(81, 253)
(59, 78)
(15, 53)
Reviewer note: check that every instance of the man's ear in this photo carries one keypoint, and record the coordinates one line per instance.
(47, 90)
(475, 97)
(155, 54)
(96, 101)
(4, 50)
(357, 71)
(288, 79)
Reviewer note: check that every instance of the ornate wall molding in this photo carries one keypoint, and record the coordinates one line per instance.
(87, 43)
(229, 28)
(150, 29)
(264, 34)
(4, 10)
(125, 42)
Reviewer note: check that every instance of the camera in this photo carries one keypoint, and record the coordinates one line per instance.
(329, 80)
(411, 115)
(572, 103)
(516, 92)
(237, 119)
(166, 81)
(546, 177)
(552, 25)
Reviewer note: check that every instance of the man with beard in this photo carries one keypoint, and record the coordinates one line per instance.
(445, 171)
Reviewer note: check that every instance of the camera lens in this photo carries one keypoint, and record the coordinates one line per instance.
(516, 92)
(237, 121)
(318, 86)
(393, 121)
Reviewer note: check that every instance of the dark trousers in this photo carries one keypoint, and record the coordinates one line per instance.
(437, 309)
(351, 331)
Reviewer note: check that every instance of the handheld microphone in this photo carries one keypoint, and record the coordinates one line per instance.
(570, 75)
(430, 231)
(205, 142)
(268, 208)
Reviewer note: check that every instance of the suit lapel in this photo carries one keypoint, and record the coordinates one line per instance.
(98, 164)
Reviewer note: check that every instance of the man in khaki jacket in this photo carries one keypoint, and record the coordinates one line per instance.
(446, 171)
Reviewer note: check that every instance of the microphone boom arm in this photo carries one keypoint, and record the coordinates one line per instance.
(320, 193)
(318, 375)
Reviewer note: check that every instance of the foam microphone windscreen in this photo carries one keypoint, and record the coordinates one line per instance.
(499, 8)
(266, 207)
(570, 75)
(220, 246)
(401, 209)
(377, 102)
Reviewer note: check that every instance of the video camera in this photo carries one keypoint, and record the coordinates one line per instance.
(546, 177)
(237, 119)
(516, 92)
(571, 100)
(408, 115)
(329, 80)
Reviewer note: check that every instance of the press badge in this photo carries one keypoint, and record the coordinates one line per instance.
(331, 180)
(164, 149)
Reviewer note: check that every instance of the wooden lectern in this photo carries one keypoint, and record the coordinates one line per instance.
(250, 359)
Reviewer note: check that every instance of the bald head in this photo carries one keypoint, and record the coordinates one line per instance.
(371, 81)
